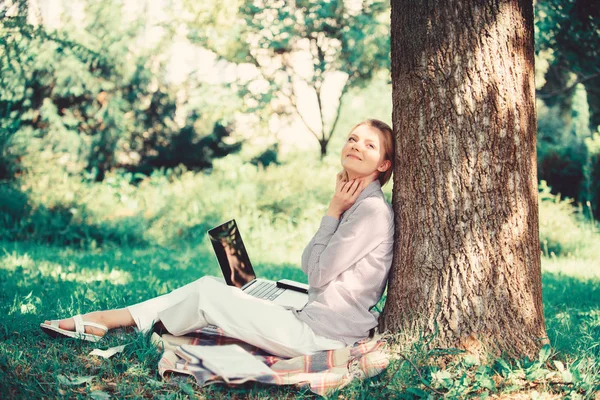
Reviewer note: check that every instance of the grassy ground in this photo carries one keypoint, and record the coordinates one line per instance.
(38, 282)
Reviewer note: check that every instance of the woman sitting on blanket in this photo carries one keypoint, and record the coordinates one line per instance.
(347, 263)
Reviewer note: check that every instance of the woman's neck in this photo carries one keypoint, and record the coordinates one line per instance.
(350, 175)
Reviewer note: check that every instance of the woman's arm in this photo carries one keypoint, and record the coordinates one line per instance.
(323, 235)
(306, 254)
(335, 249)
(346, 193)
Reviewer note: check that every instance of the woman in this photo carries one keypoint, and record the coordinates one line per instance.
(347, 263)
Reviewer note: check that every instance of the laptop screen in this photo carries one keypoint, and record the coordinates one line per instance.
(231, 254)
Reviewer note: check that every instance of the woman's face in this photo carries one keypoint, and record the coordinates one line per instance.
(363, 153)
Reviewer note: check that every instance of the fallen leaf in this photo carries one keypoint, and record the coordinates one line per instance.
(154, 383)
(74, 381)
(99, 395)
(186, 388)
(108, 353)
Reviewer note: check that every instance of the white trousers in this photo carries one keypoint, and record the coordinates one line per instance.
(209, 301)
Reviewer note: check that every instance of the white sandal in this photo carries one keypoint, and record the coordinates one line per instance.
(79, 333)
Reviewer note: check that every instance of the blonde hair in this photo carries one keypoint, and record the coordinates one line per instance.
(387, 145)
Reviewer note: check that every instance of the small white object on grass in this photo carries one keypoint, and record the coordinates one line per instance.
(108, 353)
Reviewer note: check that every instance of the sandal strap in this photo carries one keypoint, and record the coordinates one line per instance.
(80, 324)
(95, 325)
(79, 328)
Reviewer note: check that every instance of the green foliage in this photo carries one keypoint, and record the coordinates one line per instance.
(84, 99)
(267, 157)
(17, 81)
(333, 37)
(174, 205)
(13, 204)
(568, 156)
(568, 40)
(565, 229)
(55, 81)
(185, 149)
(569, 27)
(345, 39)
(562, 153)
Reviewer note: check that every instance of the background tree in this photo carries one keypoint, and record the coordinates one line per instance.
(568, 143)
(17, 38)
(298, 45)
(467, 256)
(569, 28)
(84, 99)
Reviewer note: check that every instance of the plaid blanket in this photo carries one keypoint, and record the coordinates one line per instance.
(321, 372)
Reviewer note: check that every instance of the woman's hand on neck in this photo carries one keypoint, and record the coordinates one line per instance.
(347, 191)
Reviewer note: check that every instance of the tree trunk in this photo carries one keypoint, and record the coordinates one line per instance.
(323, 147)
(557, 90)
(466, 255)
(592, 88)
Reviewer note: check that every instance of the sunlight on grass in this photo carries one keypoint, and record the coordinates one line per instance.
(25, 304)
(575, 267)
(563, 319)
(70, 273)
(84, 275)
(13, 260)
(137, 370)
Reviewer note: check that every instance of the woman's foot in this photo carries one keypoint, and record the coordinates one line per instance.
(92, 326)
(68, 324)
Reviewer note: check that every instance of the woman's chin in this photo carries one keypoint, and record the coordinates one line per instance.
(350, 165)
(351, 172)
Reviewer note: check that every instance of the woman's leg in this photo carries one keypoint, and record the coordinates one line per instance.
(144, 314)
(208, 301)
(110, 318)
(259, 322)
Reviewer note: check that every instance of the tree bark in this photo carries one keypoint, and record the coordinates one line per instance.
(466, 263)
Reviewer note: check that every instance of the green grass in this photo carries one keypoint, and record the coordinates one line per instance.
(38, 282)
(70, 246)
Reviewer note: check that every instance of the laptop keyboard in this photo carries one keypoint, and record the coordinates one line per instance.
(265, 290)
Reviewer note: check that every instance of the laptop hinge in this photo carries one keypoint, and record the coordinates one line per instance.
(247, 285)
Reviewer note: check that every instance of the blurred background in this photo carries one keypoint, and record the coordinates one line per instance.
(144, 123)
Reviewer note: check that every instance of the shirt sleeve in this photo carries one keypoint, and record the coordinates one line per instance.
(324, 233)
(335, 250)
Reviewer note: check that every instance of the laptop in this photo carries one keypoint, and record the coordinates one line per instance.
(237, 270)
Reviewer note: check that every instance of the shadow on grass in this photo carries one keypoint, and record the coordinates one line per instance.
(62, 224)
(559, 289)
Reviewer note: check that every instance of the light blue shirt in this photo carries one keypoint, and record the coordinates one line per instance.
(347, 263)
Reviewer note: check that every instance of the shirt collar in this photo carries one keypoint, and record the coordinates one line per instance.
(368, 191)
